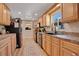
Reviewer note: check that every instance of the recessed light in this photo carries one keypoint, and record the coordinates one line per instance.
(35, 14)
(19, 12)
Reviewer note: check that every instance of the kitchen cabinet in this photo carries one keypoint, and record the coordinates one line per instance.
(41, 21)
(48, 20)
(55, 46)
(69, 49)
(44, 41)
(44, 20)
(1, 12)
(51, 45)
(55, 50)
(5, 14)
(70, 12)
(5, 47)
(48, 45)
(13, 44)
(66, 52)
(8, 17)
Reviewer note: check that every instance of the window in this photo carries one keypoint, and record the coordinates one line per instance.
(55, 19)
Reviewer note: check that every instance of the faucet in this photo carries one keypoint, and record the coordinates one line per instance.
(55, 31)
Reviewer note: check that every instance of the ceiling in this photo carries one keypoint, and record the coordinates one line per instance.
(28, 11)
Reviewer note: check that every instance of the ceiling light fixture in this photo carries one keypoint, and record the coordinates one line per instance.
(35, 14)
(19, 12)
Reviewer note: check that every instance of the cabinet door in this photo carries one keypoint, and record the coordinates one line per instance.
(13, 42)
(43, 41)
(1, 10)
(68, 12)
(4, 15)
(41, 21)
(44, 20)
(66, 52)
(48, 48)
(48, 21)
(48, 45)
(8, 17)
(5, 48)
(55, 50)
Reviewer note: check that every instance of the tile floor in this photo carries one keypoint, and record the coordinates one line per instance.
(32, 49)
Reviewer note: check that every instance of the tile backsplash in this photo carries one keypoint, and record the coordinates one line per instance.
(71, 27)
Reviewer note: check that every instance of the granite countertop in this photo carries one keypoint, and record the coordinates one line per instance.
(69, 38)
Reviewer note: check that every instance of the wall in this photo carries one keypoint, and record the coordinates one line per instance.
(71, 27)
(27, 33)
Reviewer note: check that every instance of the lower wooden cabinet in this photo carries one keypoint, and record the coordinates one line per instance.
(69, 49)
(4, 51)
(5, 47)
(43, 42)
(13, 44)
(8, 45)
(48, 45)
(55, 50)
(59, 47)
(66, 52)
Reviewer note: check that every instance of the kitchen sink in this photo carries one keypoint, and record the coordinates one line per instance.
(51, 33)
(57, 33)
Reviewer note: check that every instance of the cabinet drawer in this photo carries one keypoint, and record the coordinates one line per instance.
(71, 46)
(49, 49)
(66, 52)
(55, 40)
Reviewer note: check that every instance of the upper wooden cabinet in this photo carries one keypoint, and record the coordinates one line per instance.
(8, 16)
(48, 20)
(44, 20)
(40, 21)
(1, 13)
(70, 12)
(4, 15)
